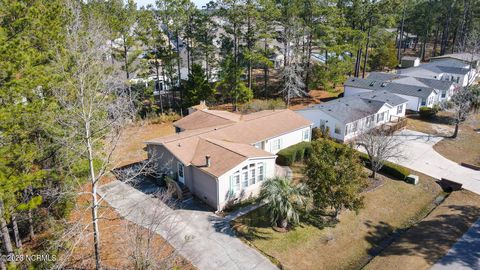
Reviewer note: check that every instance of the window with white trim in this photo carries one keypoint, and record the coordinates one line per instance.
(244, 177)
(252, 174)
(338, 128)
(236, 181)
(276, 144)
(400, 109)
(306, 134)
(380, 117)
(260, 172)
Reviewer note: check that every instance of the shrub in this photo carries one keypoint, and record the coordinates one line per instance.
(427, 112)
(164, 118)
(260, 105)
(320, 133)
(294, 153)
(388, 168)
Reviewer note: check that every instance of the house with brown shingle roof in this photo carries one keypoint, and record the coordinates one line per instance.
(223, 157)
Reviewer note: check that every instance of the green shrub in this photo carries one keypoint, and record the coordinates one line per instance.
(294, 153)
(427, 112)
(320, 133)
(388, 168)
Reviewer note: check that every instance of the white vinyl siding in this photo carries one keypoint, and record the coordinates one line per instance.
(276, 145)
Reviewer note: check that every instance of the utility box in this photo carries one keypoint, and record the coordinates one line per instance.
(412, 179)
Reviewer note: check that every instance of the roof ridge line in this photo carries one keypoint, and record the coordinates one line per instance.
(208, 111)
(209, 140)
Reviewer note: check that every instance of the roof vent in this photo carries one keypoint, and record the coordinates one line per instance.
(179, 145)
(384, 84)
(372, 83)
(419, 90)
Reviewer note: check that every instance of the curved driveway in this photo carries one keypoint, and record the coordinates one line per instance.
(419, 155)
(200, 236)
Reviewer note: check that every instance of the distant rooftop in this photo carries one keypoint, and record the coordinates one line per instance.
(392, 87)
(352, 108)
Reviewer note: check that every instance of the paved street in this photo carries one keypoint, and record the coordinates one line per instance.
(200, 236)
(419, 155)
(465, 254)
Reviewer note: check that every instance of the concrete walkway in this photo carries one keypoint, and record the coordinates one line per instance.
(419, 155)
(465, 254)
(200, 236)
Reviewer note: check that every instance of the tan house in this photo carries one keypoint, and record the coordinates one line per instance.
(223, 157)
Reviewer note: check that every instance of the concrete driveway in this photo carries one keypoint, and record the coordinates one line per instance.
(419, 155)
(200, 236)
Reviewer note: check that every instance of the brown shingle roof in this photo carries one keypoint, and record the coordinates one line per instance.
(229, 143)
(223, 155)
(203, 119)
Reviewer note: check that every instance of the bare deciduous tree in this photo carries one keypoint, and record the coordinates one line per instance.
(380, 147)
(293, 81)
(95, 103)
(461, 105)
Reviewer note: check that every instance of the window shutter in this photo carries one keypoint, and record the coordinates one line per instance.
(231, 184)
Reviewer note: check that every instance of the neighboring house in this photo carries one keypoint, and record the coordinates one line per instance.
(410, 61)
(224, 157)
(446, 69)
(417, 96)
(445, 88)
(348, 117)
(471, 60)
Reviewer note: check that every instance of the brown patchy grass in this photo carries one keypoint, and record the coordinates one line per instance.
(130, 147)
(315, 97)
(113, 228)
(114, 241)
(428, 241)
(439, 125)
(348, 244)
(464, 148)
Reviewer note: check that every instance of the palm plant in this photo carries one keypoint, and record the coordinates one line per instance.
(283, 200)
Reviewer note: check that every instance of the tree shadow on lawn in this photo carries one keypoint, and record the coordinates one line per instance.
(430, 239)
(437, 119)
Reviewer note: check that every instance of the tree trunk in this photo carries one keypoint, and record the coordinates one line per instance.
(96, 232)
(434, 52)
(399, 45)
(179, 71)
(282, 223)
(7, 242)
(265, 69)
(454, 41)
(307, 64)
(455, 132)
(158, 88)
(249, 47)
(446, 32)
(125, 58)
(16, 234)
(207, 74)
(366, 47)
(3, 266)
(31, 231)
(357, 62)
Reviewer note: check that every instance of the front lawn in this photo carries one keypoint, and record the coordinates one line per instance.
(348, 244)
(464, 148)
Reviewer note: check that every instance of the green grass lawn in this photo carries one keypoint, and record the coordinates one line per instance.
(348, 244)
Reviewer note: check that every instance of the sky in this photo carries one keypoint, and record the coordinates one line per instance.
(199, 3)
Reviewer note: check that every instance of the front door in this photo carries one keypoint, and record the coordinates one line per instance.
(180, 173)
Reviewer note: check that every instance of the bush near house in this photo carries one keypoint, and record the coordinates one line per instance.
(294, 153)
(427, 112)
(389, 168)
